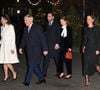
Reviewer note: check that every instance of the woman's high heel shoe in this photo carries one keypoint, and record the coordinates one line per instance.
(4, 80)
(61, 75)
(14, 77)
(68, 77)
(87, 81)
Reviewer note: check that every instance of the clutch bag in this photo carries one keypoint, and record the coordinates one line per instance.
(68, 55)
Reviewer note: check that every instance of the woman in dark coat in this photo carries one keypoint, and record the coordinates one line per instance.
(65, 46)
(91, 47)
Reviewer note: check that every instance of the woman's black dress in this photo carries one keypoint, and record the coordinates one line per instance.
(91, 43)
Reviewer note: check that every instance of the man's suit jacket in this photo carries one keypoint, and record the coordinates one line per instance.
(53, 37)
(35, 43)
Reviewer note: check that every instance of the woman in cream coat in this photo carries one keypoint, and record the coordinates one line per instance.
(8, 54)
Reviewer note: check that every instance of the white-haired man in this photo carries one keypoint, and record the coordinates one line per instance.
(35, 43)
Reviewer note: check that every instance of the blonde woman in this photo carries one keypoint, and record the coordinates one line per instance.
(65, 46)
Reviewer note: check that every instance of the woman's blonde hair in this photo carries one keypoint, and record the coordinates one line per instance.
(65, 19)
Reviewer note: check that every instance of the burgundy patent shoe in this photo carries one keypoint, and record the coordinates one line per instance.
(61, 75)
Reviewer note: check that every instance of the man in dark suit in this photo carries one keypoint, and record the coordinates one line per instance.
(53, 39)
(35, 44)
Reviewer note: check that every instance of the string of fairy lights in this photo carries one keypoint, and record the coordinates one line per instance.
(52, 2)
(34, 4)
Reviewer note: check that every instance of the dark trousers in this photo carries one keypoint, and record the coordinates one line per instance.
(47, 61)
(67, 62)
(33, 68)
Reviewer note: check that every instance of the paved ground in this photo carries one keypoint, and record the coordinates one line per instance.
(53, 83)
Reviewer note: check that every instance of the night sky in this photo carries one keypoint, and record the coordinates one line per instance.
(91, 6)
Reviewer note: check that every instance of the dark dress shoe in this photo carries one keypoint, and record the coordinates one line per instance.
(25, 84)
(45, 75)
(41, 81)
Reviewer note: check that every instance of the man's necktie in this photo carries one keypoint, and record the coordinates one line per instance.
(29, 28)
